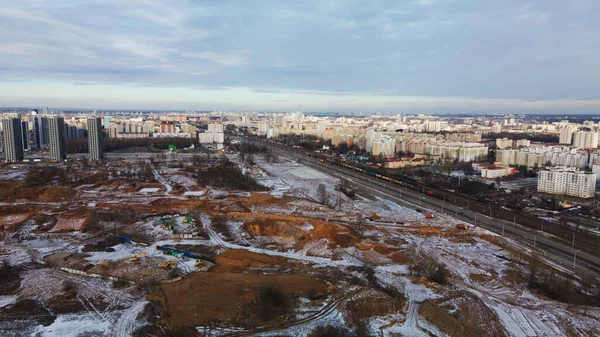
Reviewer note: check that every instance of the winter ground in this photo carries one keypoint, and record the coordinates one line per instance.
(284, 231)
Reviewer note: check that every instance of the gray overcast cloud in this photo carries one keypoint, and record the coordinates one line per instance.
(438, 55)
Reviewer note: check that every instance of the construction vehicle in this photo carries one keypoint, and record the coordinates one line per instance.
(202, 265)
(137, 256)
(167, 265)
(429, 216)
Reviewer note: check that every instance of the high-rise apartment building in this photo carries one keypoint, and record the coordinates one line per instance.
(585, 140)
(95, 142)
(40, 132)
(25, 135)
(58, 148)
(567, 181)
(13, 139)
(566, 135)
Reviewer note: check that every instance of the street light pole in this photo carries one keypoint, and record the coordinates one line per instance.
(574, 259)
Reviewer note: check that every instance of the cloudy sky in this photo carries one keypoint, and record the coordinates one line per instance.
(343, 55)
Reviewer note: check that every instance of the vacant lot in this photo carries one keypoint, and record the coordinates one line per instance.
(207, 297)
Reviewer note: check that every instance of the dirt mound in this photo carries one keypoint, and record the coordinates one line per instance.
(399, 257)
(203, 298)
(295, 229)
(381, 249)
(67, 260)
(69, 224)
(56, 194)
(470, 317)
(375, 303)
(241, 260)
(13, 219)
(263, 198)
(285, 230)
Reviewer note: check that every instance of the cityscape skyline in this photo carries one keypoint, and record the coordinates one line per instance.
(420, 56)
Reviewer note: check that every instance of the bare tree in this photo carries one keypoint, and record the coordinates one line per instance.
(360, 225)
(322, 196)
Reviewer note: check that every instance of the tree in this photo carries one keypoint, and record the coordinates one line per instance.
(322, 196)
(360, 225)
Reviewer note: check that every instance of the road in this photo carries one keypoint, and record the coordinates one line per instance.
(558, 251)
(126, 323)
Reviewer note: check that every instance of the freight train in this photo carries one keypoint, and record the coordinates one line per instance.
(408, 185)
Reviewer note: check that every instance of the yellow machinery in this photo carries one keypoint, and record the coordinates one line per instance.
(167, 265)
(137, 256)
(202, 265)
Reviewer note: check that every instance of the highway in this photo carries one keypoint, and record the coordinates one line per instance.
(558, 251)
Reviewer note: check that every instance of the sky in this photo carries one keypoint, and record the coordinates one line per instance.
(406, 56)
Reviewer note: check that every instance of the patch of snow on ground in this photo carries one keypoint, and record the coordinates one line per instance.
(307, 226)
(149, 190)
(46, 246)
(7, 300)
(122, 251)
(73, 326)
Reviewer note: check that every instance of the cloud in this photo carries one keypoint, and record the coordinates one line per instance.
(471, 50)
(234, 58)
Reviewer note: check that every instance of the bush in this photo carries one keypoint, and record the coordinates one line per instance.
(329, 331)
(120, 284)
(148, 285)
(427, 267)
(70, 287)
(270, 303)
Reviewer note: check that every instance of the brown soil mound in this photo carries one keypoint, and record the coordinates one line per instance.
(16, 190)
(263, 198)
(56, 194)
(13, 219)
(375, 303)
(364, 246)
(203, 298)
(481, 278)
(381, 249)
(429, 231)
(472, 318)
(240, 260)
(289, 228)
(71, 221)
(400, 257)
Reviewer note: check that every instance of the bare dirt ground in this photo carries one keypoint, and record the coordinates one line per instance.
(382, 276)
(205, 297)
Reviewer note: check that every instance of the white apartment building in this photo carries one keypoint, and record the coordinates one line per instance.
(214, 135)
(385, 146)
(567, 181)
(596, 170)
(566, 134)
(503, 143)
(262, 127)
(585, 140)
(542, 155)
(523, 143)
(463, 152)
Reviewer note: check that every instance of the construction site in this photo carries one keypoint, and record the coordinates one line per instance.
(109, 250)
